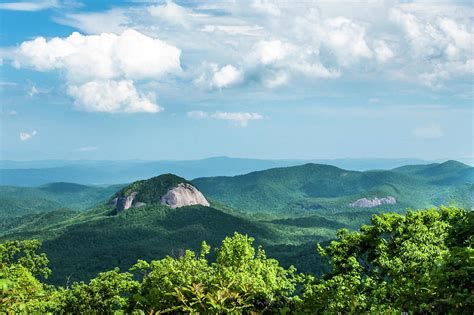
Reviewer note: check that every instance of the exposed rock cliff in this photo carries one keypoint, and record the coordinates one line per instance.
(370, 203)
(184, 195)
(167, 189)
(125, 202)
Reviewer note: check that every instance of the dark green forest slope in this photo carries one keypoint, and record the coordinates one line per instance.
(19, 201)
(418, 263)
(82, 244)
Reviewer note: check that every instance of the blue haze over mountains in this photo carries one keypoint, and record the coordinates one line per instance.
(101, 172)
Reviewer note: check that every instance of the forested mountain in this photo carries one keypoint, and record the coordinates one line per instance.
(325, 188)
(286, 209)
(19, 201)
(424, 266)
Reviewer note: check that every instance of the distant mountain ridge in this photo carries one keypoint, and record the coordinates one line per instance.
(35, 173)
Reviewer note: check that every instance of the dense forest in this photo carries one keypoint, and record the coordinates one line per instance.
(418, 262)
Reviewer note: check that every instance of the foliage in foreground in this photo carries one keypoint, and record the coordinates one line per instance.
(421, 262)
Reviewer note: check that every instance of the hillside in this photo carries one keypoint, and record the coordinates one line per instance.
(82, 245)
(287, 210)
(447, 173)
(19, 201)
(325, 188)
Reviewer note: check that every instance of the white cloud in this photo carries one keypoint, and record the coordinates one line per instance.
(87, 149)
(431, 131)
(316, 70)
(112, 21)
(170, 12)
(248, 30)
(197, 114)
(130, 54)
(271, 51)
(374, 100)
(345, 38)
(100, 68)
(264, 42)
(32, 91)
(267, 7)
(277, 80)
(30, 5)
(382, 51)
(26, 136)
(239, 118)
(227, 76)
(112, 97)
(440, 47)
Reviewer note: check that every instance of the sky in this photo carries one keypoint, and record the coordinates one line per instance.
(162, 80)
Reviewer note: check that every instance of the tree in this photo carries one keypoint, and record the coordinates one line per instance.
(241, 279)
(20, 289)
(106, 293)
(392, 265)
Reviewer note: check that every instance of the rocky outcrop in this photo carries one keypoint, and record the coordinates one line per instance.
(181, 195)
(184, 195)
(370, 203)
(124, 203)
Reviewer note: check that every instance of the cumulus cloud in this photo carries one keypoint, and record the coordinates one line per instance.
(30, 5)
(431, 131)
(271, 51)
(271, 43)
(267, 7)
(171, 13)
(24, 136)
(130, 54)
(382, 51)
(345, 38)
(100, 69)
(240, 119)
(439, 43)
(227, 76)
(112, 97)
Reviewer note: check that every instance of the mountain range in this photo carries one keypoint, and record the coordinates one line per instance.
(287, 209)
(35, 173)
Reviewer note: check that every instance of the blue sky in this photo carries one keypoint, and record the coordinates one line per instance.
(263, 79)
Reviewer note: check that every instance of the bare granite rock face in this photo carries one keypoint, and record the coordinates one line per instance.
(184, 195)
(370, 203)
(124, 203)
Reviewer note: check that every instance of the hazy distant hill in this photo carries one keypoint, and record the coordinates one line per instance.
(448, 173)
(19, 201)
(34, 173)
